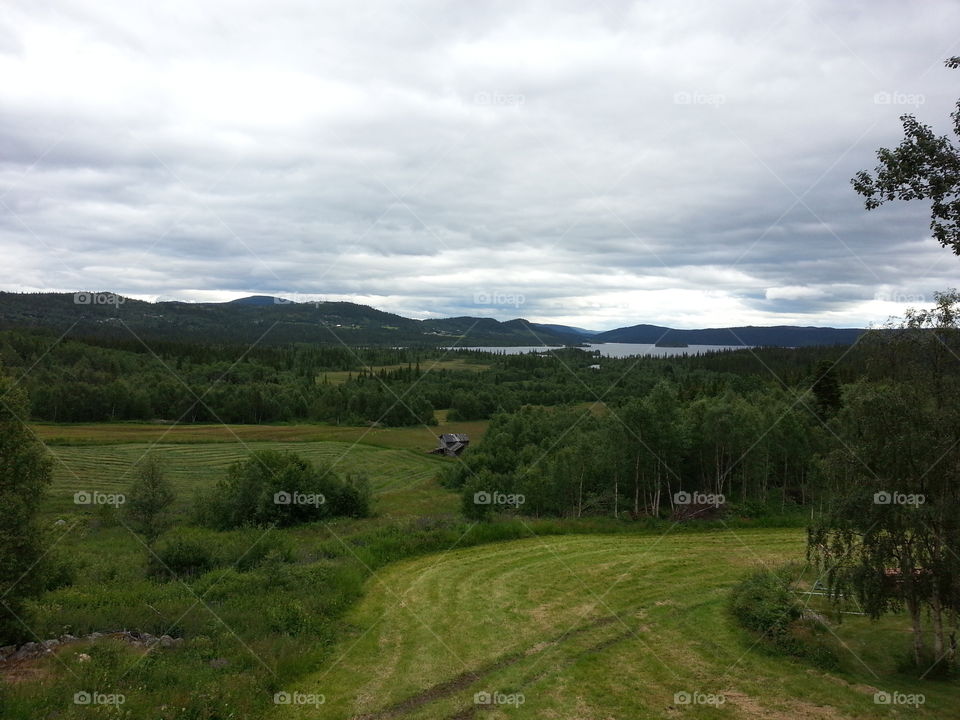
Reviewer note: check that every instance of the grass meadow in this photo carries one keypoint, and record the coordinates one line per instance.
(416, 613)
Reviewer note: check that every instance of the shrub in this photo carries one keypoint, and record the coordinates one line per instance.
(765, 602)
(183, 552)
(193, 551)
(281, 488)
(149, 498)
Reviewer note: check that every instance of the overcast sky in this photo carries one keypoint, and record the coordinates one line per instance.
(591, 163)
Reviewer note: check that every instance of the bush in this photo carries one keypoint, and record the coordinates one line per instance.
(282, 489)
(194, 551)
(149, 498)
(765, 602)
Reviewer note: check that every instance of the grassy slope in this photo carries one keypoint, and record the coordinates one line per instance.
(587, 627)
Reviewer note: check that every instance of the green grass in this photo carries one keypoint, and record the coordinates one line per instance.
(418, 438)
(589, 627)
(404, 481)
(409, 618)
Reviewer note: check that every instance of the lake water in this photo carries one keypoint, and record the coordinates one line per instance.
(616, 350)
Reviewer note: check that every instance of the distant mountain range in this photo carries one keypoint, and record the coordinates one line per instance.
(270, 320)
(780, 335)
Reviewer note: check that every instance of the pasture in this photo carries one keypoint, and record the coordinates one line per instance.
(591, 627)
(403, 481)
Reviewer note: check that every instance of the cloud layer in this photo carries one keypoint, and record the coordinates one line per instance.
(683, 163)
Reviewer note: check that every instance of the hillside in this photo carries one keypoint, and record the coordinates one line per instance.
(780, 335)
(258, 319)
(271, 321)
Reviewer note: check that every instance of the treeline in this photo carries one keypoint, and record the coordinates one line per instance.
(659, 454)
(89, 380)
(710, 434)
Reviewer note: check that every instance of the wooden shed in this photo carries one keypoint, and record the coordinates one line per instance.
(451, 444)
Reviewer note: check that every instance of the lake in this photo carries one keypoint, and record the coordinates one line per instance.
(616, 350)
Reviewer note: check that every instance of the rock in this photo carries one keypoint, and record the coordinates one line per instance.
(67, 638)
(166, 641)
(83, 657)
(94, 636)
(30, 650)
(7, 650)
(219, 663)
(49, 645)
(60, 523)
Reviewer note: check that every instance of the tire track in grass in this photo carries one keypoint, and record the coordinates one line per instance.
(472, 710)
(505, 602)
(464, 680)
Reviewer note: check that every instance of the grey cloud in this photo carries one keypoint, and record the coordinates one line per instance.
(605, 164)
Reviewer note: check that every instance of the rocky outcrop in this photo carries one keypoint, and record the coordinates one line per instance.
(12, 653)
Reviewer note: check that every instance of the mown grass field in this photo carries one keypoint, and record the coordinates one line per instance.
(594, 627)
(404, 481)
(409, 438)
(101, 456)
(583, 626)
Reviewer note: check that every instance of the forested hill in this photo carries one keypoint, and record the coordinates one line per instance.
(781, 336)
(259, 319)
(269, 320)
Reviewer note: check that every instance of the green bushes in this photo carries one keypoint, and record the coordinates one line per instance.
(765, 602)
(282, 489)
(193, 551)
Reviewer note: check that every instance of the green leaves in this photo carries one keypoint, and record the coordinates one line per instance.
(924, 166)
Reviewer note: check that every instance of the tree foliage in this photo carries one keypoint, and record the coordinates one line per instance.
(925, 166)
(148, 502)
(25, 472)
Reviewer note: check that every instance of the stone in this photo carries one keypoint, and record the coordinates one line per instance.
(219, 663)
(166, 641)
(67, 638)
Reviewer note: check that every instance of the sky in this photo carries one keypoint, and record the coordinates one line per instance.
(597, 164)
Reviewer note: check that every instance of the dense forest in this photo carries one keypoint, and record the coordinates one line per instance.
(100, 379)
(751, 428)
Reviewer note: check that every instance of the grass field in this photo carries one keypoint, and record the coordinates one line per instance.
(592, 627)
(578, 626)
(100, 457)
(409, 438)
(404, 481)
